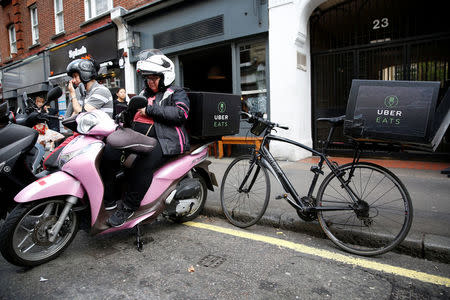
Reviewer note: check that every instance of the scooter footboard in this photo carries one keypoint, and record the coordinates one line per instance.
(55, 184)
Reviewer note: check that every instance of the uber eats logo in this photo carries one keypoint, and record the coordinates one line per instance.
(221, 119)
(389, 115)
(221, 107)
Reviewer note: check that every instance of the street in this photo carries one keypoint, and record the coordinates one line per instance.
(211, 259)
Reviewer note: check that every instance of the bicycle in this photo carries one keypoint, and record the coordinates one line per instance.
(362, 207)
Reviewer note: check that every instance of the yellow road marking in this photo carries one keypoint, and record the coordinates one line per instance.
(361, 262)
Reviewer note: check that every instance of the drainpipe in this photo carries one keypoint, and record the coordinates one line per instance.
(122, 33)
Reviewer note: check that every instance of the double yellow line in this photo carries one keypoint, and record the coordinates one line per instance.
(360, 262)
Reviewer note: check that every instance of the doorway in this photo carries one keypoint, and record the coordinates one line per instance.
(208, 70)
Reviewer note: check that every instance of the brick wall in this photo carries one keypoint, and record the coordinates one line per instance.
(18, 12)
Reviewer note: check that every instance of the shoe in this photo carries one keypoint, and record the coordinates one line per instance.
(110, 205)
(120, 216)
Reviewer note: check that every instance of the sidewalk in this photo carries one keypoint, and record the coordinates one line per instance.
(429, 236)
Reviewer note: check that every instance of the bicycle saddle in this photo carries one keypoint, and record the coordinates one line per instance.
(335, 121)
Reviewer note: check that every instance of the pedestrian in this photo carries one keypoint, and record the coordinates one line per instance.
(162, 119)
(48, 136)
(120, 103)
(40, 127)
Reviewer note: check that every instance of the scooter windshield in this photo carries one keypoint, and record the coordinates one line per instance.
(95, 122)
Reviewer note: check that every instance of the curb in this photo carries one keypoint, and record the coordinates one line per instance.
(426, 246)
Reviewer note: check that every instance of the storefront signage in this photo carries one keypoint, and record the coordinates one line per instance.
(77, 52)
(99, 45)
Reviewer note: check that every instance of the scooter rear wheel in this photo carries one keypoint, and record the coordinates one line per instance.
(196, 210)
(24, 238)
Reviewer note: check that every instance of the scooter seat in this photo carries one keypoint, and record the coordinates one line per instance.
(128, 139)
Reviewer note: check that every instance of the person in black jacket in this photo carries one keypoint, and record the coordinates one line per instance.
(163, 119)
(120, 103)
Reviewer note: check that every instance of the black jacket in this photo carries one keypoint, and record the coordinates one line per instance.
(170, 111)
(118, 107)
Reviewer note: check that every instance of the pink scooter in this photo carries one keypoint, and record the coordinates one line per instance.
(51, 208)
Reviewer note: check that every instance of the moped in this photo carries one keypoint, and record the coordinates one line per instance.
(20, 156)
(51, 209)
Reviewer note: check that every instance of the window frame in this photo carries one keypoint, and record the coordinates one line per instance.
(57, 14)
(90, 8)
(34, 27)
(12, 39)
(237, 63)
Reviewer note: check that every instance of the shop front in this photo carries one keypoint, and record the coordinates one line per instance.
(28, 76)
(100, 45)
(216, 47)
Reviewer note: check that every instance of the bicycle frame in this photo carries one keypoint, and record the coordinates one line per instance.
(271, 164)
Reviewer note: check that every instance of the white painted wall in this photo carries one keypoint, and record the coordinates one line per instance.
(290, 87)
(122, 43)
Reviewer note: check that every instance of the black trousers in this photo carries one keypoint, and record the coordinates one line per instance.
(138, 178)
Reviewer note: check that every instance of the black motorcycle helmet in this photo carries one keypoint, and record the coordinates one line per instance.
(87, 69)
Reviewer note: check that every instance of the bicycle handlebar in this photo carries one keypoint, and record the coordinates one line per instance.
(253, 119)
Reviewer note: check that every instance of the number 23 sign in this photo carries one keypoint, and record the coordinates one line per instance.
(380, 23)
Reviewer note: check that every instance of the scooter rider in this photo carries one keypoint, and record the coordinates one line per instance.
(86, 94)
(163, 119)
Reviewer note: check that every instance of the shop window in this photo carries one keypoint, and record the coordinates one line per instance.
(252, 64)
(34, 25)
(94, 8)
(111, 78)
(12, 39)
(59, 16)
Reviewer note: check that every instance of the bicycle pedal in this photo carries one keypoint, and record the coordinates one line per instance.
(284, 196)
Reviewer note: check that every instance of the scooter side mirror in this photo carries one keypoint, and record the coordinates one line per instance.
(53, 94)
(71, 123)
(4, 113)
(4, 109)
(24, 99)
(136, 103)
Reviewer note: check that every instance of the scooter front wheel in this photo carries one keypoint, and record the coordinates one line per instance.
(24, 238)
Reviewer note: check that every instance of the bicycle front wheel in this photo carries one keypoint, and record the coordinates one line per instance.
(245, 191)
(377, 222)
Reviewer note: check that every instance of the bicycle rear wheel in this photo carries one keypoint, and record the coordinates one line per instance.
(378, 222)
(244, 192)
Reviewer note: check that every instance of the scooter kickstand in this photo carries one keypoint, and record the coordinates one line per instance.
(139, 241)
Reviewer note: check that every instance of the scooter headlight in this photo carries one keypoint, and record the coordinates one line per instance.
(87, 122)
(93, 149)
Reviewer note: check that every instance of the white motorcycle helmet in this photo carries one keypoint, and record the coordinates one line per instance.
(154, 62)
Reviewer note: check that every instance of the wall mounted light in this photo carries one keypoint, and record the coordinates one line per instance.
(134, 40)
